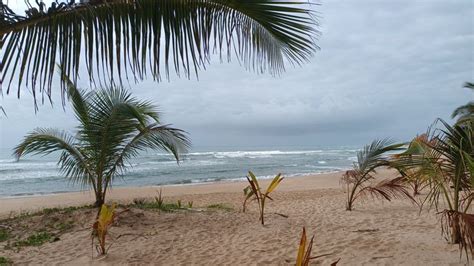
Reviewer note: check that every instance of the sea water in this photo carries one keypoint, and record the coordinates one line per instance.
(34, 175)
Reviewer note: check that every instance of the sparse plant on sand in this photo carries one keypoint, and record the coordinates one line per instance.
(101, 227)
(35, 240)
(4, 261)
(159, 199)
(445, 161)
(190, 204)
(178, 203)
(358, 181)
(304, 257)
(254, 192)
(4, 234)
(113, 128)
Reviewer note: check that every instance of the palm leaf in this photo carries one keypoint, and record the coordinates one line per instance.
(465, 113)
(73, 163)
(148, 37)
(388, 189)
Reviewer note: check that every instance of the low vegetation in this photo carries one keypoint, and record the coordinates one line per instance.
(158, 203)
(113, 128)
(4, 235)
(101, 228)
(254, 192)
(444, 161)
(35, 240)
(220, 206)
(360, 181)
(304, 257)
(4, 261)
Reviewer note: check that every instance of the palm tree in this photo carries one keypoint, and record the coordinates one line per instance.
(465, 112)
(113, 128)
(359, 180)
(112, 38)
(445, 161)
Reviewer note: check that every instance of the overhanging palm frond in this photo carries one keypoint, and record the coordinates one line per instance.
(115, 37)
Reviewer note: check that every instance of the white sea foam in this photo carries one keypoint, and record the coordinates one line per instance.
(352, 158)
(198, 167)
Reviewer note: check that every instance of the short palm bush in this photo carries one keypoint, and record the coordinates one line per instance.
(113, 128)
(359, 181)
(445, 162)
(254, 192)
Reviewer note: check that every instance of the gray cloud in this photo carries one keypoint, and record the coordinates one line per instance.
(384, 69)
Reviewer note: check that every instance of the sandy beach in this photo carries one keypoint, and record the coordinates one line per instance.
(375, 233)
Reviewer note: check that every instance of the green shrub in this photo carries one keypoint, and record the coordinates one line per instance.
(4, 261)
(37, 239)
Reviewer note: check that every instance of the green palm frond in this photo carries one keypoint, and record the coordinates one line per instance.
(465, 113)
(358, 181)
(445, 164)
(116, 37)
(374, 155)
(73, 163)
(157, 137)
(113, 128)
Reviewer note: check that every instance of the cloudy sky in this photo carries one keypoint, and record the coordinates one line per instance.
(385, 69)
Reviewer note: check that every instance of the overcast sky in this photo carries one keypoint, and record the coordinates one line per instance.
(385, 69)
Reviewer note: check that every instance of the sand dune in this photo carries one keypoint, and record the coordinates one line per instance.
(375, 233)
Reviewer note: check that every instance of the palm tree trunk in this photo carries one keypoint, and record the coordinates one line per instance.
(455, 229)
(99, 195)
(99, 199)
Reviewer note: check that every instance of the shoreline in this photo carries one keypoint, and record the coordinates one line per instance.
(17, 205)
(224, 180)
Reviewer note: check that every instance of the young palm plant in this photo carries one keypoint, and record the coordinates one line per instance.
(445, 162)
(254, 192)
(113, 128)
(303, 258)
(359, 181)
(413, 175)
(101, 227)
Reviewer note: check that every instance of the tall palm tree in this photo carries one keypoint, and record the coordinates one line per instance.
(113, 128)
(465, 112)
(111, 38)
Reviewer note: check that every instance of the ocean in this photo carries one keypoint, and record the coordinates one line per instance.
(36, 175)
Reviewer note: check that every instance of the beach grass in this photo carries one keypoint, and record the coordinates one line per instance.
(4, 261)
(220, 206)
(36, 239)
(4, 235)
(154, 205)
